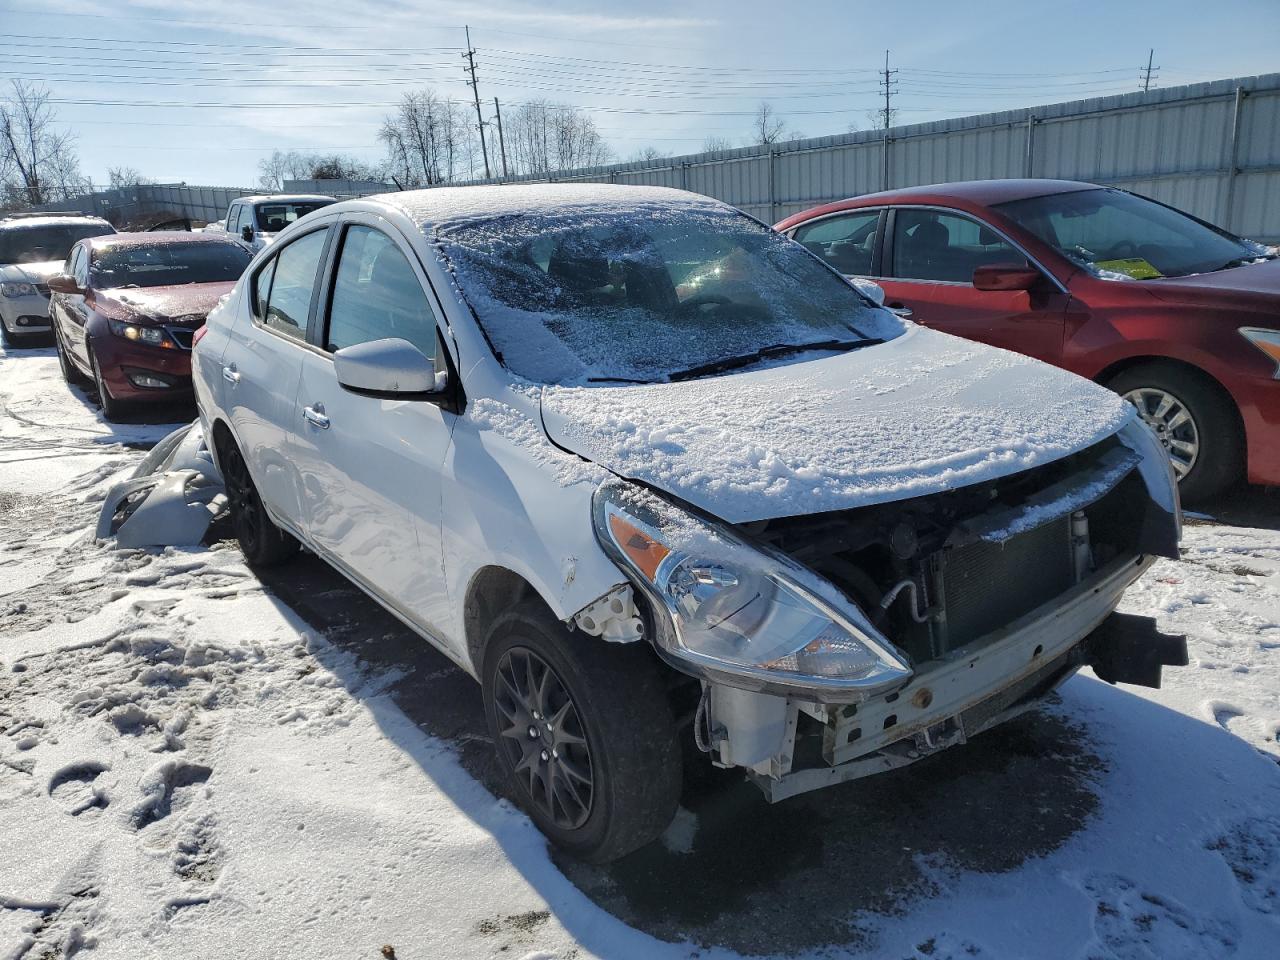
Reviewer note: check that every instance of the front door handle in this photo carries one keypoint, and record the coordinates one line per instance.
(230, 373)
(901, 309)
(314, 415)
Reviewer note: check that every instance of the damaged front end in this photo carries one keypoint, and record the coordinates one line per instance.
(971, 606)
(171, 497)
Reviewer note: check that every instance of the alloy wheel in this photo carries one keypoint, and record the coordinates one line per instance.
(242, 499)
(542, 736)
(1173, 424)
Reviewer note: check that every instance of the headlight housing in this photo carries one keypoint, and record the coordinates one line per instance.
(1268, 341)
(154, 336)
(16, 288)
(732, 612)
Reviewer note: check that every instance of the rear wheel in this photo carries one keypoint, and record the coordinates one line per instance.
(584, 733)
(1195, 422)
(112, 409)
(263, 543)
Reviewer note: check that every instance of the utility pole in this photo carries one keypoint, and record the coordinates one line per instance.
(887, 82)
(502, 144)
(470, 57)
(1147, 73)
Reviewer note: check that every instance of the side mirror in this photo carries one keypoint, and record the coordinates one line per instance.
(870, 289)
(246, 233)
(64, 283)
(1006, 276)
(391, 369)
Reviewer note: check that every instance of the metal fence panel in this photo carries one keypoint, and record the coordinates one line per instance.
(1210, 148)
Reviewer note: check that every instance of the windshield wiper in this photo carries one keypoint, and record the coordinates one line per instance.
(617, 380)
(765, 353)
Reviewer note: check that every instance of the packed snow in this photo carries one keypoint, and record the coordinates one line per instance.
(189, 768)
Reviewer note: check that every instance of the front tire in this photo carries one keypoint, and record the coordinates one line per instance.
(112, 409)
(1194, 420)
(70, 372)
(584, 733)
(262, 542)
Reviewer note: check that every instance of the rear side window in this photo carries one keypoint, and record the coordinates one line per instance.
(291, 284)
(376, 295)
(928, 245)
(847, 242)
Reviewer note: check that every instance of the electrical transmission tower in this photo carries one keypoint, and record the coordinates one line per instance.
(1149, 73)
(888, 86)
(470, 69)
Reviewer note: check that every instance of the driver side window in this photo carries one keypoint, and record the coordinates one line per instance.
(377, 295)
(847, 242)
(928, 245)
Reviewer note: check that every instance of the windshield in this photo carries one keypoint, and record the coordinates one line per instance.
(36, 244)
(168, 263)
(1120, 236)
(274, 217)
(644, 294)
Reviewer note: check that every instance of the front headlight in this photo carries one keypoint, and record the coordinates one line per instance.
(738, 614)
(1268, 341)
(14, 289)
(154, 336)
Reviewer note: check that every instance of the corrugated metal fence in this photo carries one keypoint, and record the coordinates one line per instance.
(1210, 148)
(121, 206)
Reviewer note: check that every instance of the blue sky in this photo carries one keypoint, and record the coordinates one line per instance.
(188, 90)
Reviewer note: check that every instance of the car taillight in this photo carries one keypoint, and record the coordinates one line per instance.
(199, 334)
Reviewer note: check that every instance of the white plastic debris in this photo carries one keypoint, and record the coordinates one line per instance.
(170, 500)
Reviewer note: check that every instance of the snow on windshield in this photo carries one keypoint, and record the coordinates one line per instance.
(585, 294)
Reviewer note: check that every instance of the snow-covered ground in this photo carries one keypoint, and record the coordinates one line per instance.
(189, 769)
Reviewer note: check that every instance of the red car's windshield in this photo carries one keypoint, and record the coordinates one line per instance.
(166, 264)
(1118, 235)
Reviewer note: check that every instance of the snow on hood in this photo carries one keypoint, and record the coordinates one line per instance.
(31, 272)
(924, 413)
(189, 300)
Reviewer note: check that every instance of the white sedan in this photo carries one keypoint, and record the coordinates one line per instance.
(661, 480)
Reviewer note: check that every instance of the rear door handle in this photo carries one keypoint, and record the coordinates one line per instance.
(230, 373)
(314, 415)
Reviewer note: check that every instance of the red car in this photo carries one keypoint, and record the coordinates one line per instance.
(1179, 316)
(126, 308)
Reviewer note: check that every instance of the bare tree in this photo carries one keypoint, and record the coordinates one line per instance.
(38, 161)
(647, 153)
(712, 144)
(120, 177)
(766, 125)
(428, 140)
(543, 137)
(878, 120)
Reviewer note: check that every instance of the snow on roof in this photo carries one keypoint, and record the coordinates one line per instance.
(439, 205)
(286, 198)
(55, 220)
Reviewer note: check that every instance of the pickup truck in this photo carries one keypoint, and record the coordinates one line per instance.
(257, 220)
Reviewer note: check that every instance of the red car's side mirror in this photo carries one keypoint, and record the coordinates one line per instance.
(63, 283)
(1005, 276)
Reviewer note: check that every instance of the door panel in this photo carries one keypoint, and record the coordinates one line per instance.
(261, 367)
(370, 468)
(932, 256)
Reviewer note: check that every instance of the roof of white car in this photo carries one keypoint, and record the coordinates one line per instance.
(286, 198)
(438, 205)
(55, 220)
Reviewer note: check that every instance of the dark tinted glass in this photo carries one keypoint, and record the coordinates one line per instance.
(166, 264)
(37, 244)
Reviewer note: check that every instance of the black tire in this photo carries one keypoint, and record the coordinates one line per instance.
(613, 699)
(70, 372)
(1219, 460)
(112, 409)
(10, 340)
(262, 542)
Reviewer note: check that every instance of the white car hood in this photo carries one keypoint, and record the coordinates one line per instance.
(31, 272)
(923, 413)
